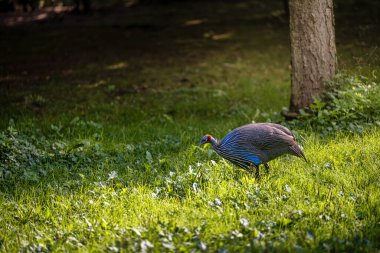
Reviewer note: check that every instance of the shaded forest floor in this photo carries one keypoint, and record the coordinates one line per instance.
(100, 116)
(160, 47)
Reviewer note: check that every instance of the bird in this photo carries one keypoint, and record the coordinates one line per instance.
(254, 144)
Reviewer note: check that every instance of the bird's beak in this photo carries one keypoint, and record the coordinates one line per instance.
(202, 145)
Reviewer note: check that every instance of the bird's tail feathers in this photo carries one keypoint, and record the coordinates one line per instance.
(298, 151)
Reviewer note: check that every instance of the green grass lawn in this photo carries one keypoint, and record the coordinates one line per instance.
(167, 194)
(98, 145)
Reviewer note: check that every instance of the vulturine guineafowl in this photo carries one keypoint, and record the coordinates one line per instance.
(251, 145)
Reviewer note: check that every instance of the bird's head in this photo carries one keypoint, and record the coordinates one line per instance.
(205, 139)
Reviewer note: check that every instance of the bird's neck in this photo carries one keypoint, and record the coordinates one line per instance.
(214, 142)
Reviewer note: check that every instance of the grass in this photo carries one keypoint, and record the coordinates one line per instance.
(171, 194)
(103, 148)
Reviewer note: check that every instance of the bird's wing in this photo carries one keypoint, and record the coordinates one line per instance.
(258, 141)
(281, 128)
(273, 141)
(265, 137)
(237, 147)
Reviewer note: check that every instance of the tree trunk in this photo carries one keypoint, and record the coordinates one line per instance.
(313, 51)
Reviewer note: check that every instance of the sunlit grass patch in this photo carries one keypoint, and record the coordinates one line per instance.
(134, 196)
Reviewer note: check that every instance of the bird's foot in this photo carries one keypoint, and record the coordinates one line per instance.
(266, 168)
(257, 173)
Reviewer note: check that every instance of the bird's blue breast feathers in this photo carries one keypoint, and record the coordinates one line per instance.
(247, 156)
(254, 159)
(229, 143)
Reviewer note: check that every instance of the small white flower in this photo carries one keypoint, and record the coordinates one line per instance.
(196, 188)
(113, 249)
(168, 245)
(203, 246)
(244, 222)
(145, 244)
(237, 233)
(149, 157)
(217, 202)
(309, 235)
(112, 175)
(136, 231)
(72, 239)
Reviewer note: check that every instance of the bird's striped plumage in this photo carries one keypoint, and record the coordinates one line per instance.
(254, 144)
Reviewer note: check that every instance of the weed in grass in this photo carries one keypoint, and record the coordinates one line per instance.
(351, 104)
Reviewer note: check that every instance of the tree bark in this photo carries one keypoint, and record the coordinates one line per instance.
(313, 51)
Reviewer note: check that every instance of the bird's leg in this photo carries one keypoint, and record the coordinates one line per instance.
(257, 172)
(266, 168)
(253, 169)
(250, 169)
